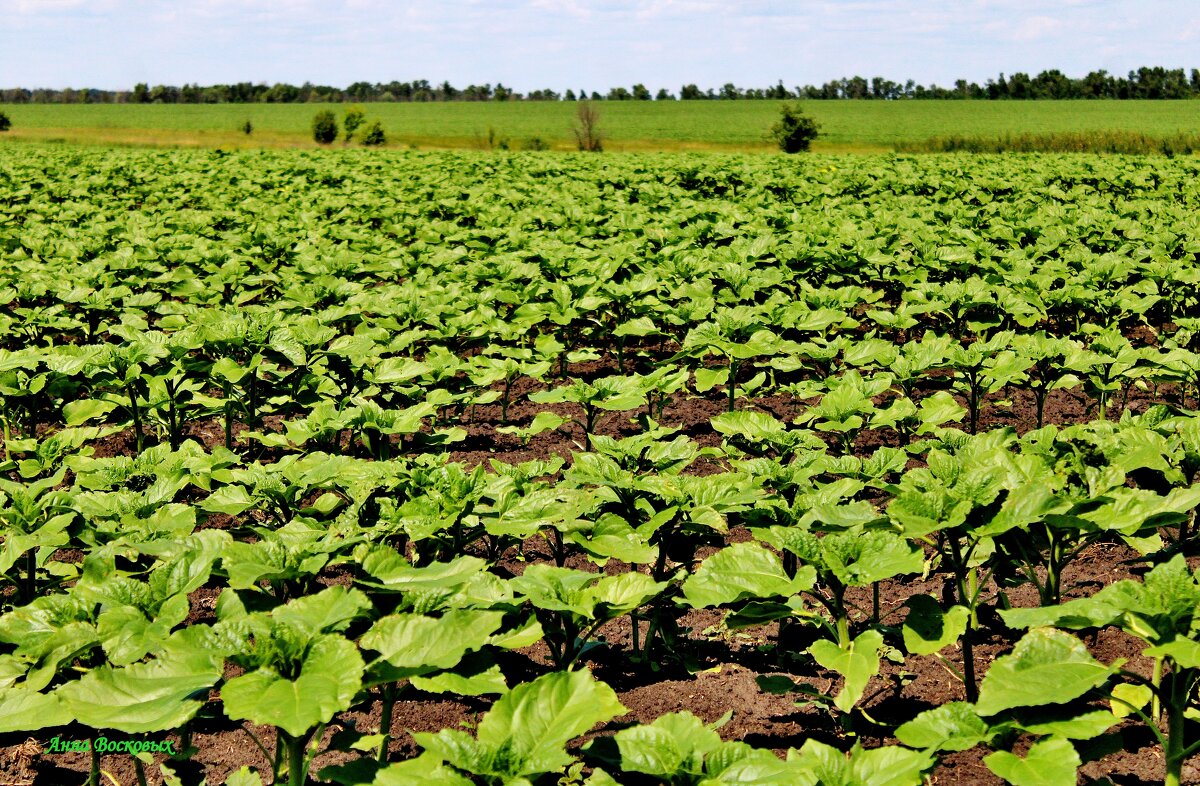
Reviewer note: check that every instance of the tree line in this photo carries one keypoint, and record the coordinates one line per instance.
(1147, 83)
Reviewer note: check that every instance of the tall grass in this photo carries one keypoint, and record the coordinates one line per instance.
(1128, 142)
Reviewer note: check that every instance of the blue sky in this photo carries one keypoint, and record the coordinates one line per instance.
(589, 44)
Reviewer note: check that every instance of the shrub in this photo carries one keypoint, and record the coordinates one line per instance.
(536, 143)
(247, 128)
(5, 123)
(493, 140)
(588, 136)
(324, 127)
(795, 130)
(374, 136)
(355, 116)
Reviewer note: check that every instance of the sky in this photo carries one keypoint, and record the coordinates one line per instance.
(581, 44)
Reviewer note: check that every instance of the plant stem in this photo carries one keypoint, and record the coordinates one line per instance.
(1156, 681)
(137, 415)
(294, 746)
(968, 654)
(387, 707)
(30, 592)
(94, 771)
(228, 419)
(733, 369)
(1175, 753)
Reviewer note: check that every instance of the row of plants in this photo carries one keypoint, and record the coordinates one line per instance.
(367, 393)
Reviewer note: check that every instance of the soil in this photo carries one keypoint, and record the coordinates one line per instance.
(717, 674)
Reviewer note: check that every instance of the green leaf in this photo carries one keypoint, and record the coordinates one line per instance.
(1062, 722)
(613, 538)
(858, 662)
(230, 500)
(756, 768)
(79, 412)
(330, 675)
(928, 629)
(937, 410)
(1128, 697)
(951, 727)
(673, 743)
(886, 766)
(542, 421)
(743, 571)
(414, 644)
(1046, 667)
(26, 710)
(156, 696)
(464, 681)
(1050, 762)
(424, 770)
(747, 423)
(537, 719)
(394, 370)
(244, 777)
(707, 378)
(331, 609)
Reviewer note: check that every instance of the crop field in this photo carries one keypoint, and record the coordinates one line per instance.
(848, 126)
(392, 468)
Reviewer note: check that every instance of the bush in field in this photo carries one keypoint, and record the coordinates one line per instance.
(374, 136)
(247, 128)
(795, 130)
(355, 117)
(5, 123)
(324, 127)
(587, 128)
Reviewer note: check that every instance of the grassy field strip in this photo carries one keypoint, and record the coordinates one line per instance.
(847, 126)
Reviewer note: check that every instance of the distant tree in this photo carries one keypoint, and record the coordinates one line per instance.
(619, 94)
(587, 128)
(247, 128)
(690, 93)
(374, 136)
(351, 122)
(141, 93)
(729, 91)
(641, 92)
(324, 127)
(5, 123)
(1020, 86)
(795, 130)
(856, 87)
(569, 95)
(164, 94)
(664, 95)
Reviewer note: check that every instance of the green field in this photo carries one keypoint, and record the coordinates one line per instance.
(462, 469)
(861, 126)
